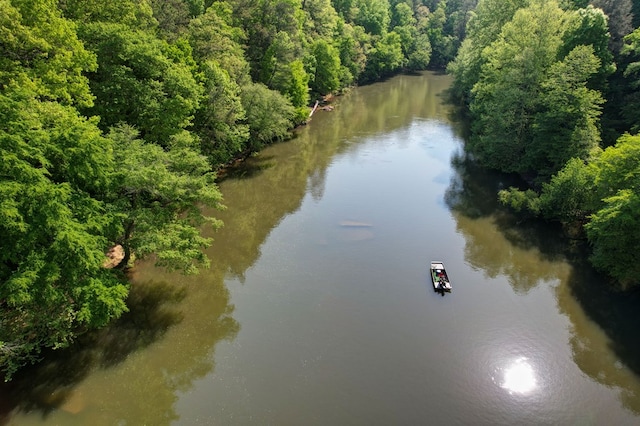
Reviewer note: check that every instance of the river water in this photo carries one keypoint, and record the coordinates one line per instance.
(318, 308)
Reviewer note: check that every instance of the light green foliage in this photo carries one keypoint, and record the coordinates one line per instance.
(613, 229)
(613, 233)
(37, 42)
(385, 57)
(505, 97)
(220, 119)
(520, 201)
(352, 42)
(373, 15)
(132, 13)
(213, 37)
(326, 78)
(532, 113)
(569, 196)
(443, 49)
(269, 114)
(483, 29)
(588, 27)
(566, 126)
(54, 167)
(157, 196)
(618, 166)
(298, 88)
(141, 80)
(321, 20)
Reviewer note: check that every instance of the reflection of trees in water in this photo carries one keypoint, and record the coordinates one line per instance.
(526, 253)
(183, 326)
(285, 171)
(609, 353)
(495, 241)
(55, 386)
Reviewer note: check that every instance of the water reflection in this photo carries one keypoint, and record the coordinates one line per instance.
(519, 377)
(603, 321)
(527, 253)
(610, 352)
(109, 376)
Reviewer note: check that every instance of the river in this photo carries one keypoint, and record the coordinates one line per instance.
(318, 308)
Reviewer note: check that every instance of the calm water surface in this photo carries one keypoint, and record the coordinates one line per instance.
(306, 319)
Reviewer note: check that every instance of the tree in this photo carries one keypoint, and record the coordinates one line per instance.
(589, 27)
(613, 229)
(483, 28)
(39, 44)
(352, 43)
(508, 95)
(613, 233)
(566, 125)
(141, 80)
(373, 15)
(55, 167)
(327, 68)
(632, 75)
(269, 114)
(212, 36)
(219, 121)
(157, 197)
(385, 57)
(136, 14)
(620, 17)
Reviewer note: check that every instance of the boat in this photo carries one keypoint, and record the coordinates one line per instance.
(439, 276)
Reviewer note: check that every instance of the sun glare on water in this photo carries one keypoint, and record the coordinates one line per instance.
(519, 377)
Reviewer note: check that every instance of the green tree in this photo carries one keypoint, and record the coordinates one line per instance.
(569, 197)
(352, 43)
(631, 105)
(157, 196)
(566, 125)
(613, 233)
(38, 43)
(132, 13)
(141, 80)
(373, 15)
(269, 115)
(54, 166)
(214, 37)
(532, 113)
(220, 119)
(384, 58)
(483, 28)
(588, 27)
(327, 68)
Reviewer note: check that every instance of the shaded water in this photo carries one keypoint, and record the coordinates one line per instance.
(318, 308)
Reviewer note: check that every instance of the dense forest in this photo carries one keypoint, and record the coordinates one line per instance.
(116, 116)
(553, 93)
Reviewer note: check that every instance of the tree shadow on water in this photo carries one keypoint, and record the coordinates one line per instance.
(46, 386)
(247, 168)
(617, 314)
(498, 241)
(604, 320)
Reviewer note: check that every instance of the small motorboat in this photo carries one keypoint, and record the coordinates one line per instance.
(439, 277)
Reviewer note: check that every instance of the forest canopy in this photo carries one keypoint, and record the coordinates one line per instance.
(552, 89)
